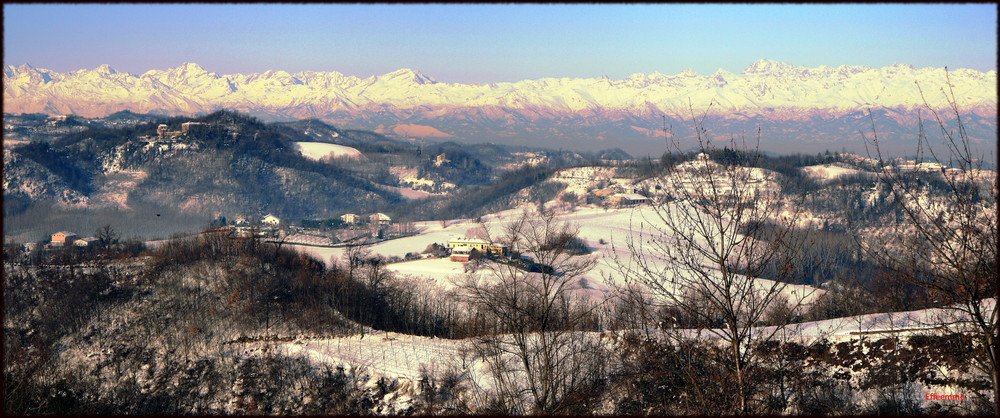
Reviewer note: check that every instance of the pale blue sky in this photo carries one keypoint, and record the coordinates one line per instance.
(480, 43)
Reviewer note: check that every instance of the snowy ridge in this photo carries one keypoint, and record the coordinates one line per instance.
(766, 88)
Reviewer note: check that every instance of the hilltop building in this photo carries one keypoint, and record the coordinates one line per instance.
(440, 160)
(163, 131)
(186, 126)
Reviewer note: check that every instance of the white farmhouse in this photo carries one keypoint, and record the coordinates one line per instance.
(380, 219)
(87, 242)
(271, 220)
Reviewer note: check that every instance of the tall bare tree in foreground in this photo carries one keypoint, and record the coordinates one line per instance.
(719, 225)
(948, 229)
(538, 361)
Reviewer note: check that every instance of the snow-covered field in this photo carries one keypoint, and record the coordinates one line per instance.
(604, 230)
(320, 150)
(387, 354)
(401, 356)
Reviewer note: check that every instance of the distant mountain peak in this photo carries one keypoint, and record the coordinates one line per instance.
(766, 66)
(105, 69)
(688, 73)
(191, 66)
(187, 69)
(408, 74)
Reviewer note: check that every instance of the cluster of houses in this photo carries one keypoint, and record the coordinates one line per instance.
(163, 131)
(167, 139)
(616, 196)
(378, 222)
(375, 218)
(54, 120)
(66, 238)
(461, 248)
(913, 166)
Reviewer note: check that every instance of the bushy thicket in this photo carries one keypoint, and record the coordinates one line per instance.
(165, 333)
(881, 375)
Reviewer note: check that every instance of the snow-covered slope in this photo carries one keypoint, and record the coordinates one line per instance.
(320, 150)
(25, 178)
(408, 358)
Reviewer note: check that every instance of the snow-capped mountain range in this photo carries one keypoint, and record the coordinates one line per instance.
(766, 90)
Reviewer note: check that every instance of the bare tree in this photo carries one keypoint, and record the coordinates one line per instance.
(106, 235)
(539, 359)
(948, 232)
(720, 225)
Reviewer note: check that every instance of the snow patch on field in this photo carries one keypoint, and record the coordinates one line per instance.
(411, 194)
(387, 354)
(829, 172)
(320, 150)
(442, 271)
